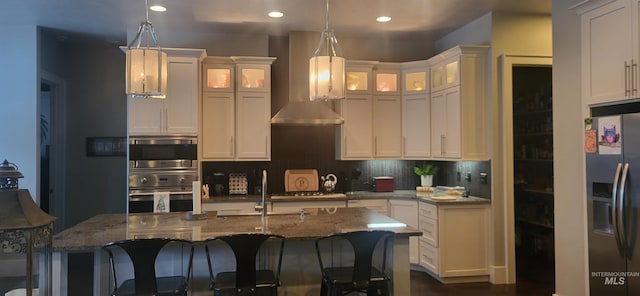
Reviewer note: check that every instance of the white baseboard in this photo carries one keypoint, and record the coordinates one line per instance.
(498, 275)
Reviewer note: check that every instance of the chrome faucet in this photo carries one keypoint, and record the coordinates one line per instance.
(262, 206)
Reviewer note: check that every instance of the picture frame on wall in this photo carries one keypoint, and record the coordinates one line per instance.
(106, 146)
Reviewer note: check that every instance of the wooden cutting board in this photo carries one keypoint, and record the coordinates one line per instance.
(296, 180)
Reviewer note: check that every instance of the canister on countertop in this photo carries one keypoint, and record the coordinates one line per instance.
(383, 184)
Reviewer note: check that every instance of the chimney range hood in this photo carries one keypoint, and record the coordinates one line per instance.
(300, 110)
(307, 113)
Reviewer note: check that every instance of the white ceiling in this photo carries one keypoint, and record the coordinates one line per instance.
(111, 19)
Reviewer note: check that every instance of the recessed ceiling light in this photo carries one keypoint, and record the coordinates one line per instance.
(383, 19)
(158, 8)
(276, 14)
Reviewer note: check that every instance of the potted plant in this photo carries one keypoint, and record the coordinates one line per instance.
(426, 171)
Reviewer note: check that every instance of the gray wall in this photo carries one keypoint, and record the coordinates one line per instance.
(18, 114)
(572, 276)
(96, 104)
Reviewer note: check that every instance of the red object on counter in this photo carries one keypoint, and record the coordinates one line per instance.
(383, 184)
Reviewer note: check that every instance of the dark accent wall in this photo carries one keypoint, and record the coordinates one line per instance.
(313, 147)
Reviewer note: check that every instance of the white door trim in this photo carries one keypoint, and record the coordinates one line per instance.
(57, 153)
(505, 65)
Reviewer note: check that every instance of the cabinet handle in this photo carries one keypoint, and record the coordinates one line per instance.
(627, 91)
(634, 83)
(442, 144)
(231, 144)
(266, 145)
(375, 145)
(404, 145)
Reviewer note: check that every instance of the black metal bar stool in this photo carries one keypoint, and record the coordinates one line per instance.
(159, 266)
(254, 268)
(347, 263)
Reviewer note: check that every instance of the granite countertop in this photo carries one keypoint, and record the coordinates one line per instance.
(104, 228)
(434, 198)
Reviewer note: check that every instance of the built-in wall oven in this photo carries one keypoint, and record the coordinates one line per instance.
(162, 165)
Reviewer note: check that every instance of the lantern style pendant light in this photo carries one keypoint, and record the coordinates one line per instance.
(146, 64)
(326, 67)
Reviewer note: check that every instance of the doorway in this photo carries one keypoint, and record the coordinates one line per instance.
(512, 129)
(533, 173)
(52, 98)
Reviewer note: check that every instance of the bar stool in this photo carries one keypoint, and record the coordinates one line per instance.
(347, 262)
(254, 268)
(158, 266)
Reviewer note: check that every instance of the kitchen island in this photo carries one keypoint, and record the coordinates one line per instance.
(300, 270)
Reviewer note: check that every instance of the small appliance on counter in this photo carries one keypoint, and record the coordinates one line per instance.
(383, 184)
(218, 183)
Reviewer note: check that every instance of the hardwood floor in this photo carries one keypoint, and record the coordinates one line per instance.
(423, 284)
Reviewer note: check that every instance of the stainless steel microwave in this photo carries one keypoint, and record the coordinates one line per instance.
(163, 152)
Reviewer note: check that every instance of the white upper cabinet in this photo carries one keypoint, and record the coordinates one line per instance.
(416, 117)
(218, 129)
(178, 113)
(445, 123)
(387, 111)
(253, 126)
(610, 50)
(372, 112)
(459, 109)
(387, 127)
(236, 122)
(354, 138)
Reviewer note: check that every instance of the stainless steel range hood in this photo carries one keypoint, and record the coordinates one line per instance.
(300, 110)
(307, 113)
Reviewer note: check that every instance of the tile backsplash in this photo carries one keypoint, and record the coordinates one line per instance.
(304, 147)
(358, 175)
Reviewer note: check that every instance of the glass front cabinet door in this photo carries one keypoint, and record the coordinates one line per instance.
(387, 77)
(218, 74)
(415, 77)
(253, 73)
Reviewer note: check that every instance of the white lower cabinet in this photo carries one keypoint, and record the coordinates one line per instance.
(378, 205)
(454, 245)
(231, 208)
(297, 206)
(406, 211)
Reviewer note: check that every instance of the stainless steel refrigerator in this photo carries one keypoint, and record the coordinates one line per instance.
(612, 148)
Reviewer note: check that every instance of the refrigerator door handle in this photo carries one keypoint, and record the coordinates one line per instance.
(621, 208)
(615, 217)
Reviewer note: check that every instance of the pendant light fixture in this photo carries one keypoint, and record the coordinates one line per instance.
(146, 63)
(326, 67)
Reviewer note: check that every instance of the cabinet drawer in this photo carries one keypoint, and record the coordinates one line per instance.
(428, 256)
(429, 228)
(296, 206)
(428, 210)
